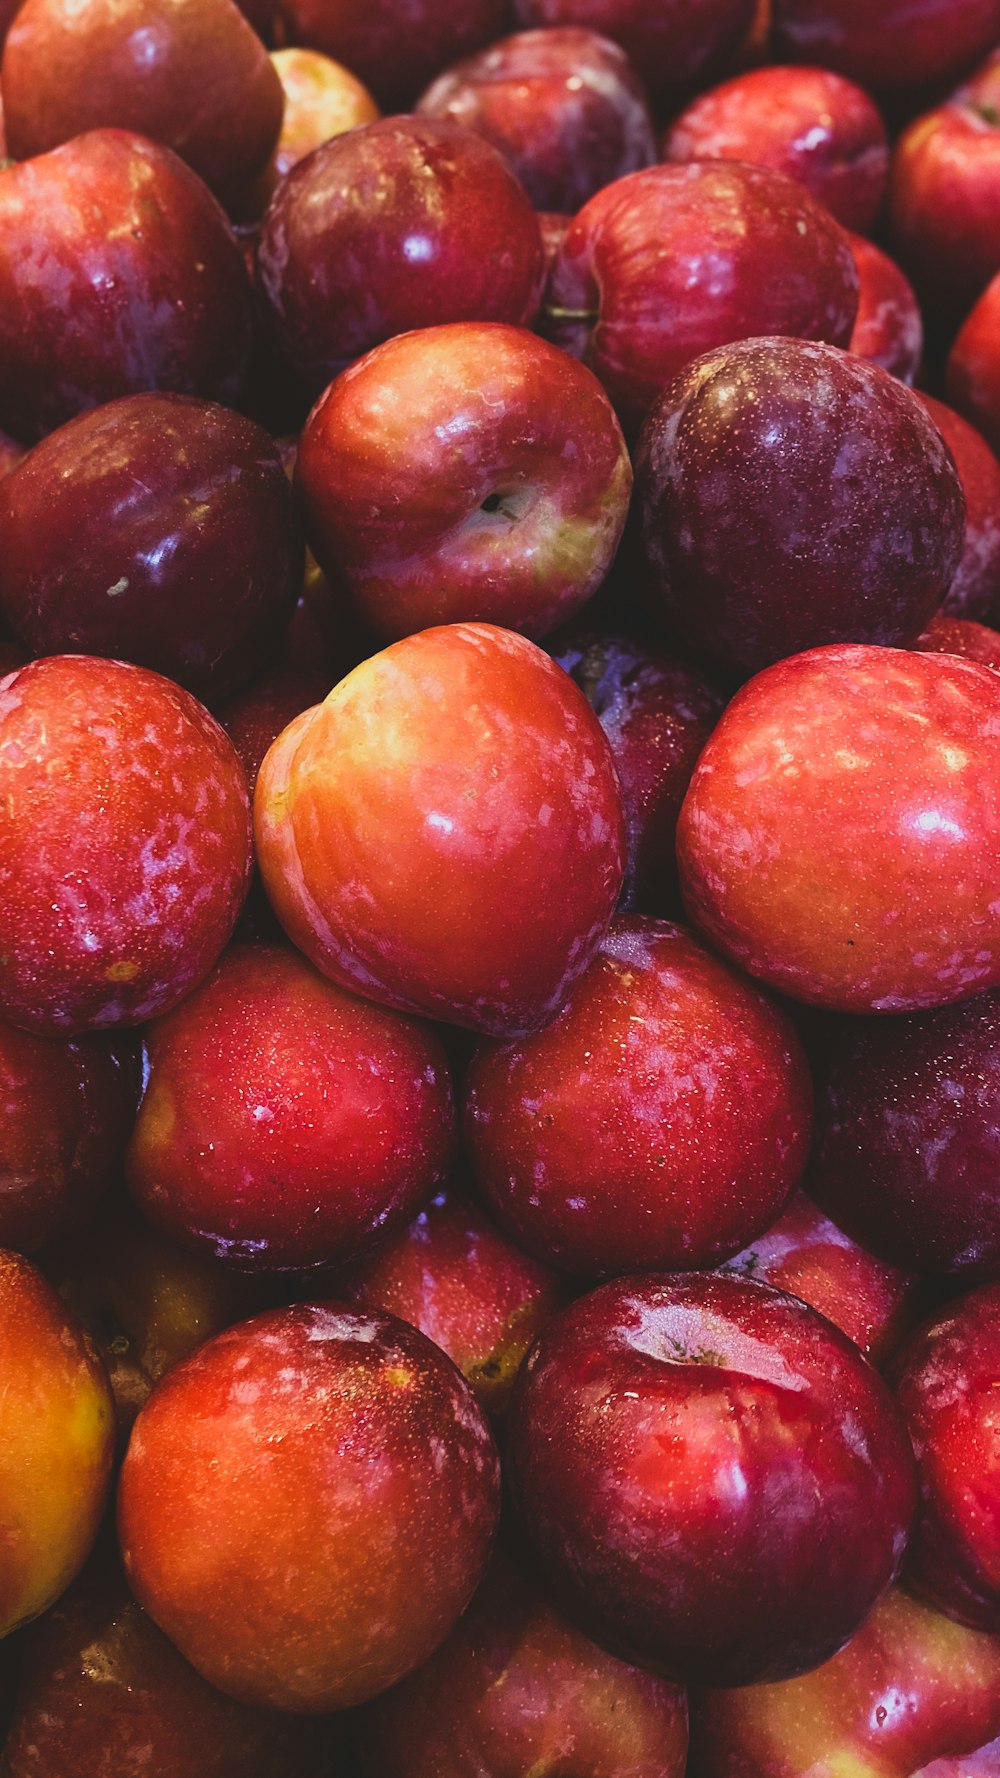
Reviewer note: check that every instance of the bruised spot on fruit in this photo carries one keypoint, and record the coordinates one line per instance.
(122, 972)
(398, 1377)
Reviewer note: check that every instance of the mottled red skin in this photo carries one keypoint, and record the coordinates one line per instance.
(124, 844)
(307, 1505)
(144, 65)
(469, 473)
(690, 1456)
(657, 712)
(960, 635)
(673, 44)
(806, 1254)
(944, 207)
(66, 1112)
(113, 528)
(671, 262)
(889, 328)
(518, 1689)
(445, 833)
(973, 368)
(322, 100)
(659, 1122)
(842, 851)
(102, 1690)
(564, 107)
(118, 273)
(408, 222)
(394, 49)
(897, 44)
(975, 590)
(819, 129)
(909, 1687)
(56, 1444)
(452, 1274)
(323, 1119)
(792, 495)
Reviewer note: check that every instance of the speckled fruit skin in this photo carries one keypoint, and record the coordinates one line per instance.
(898, 44)
(806, 1254)
(564, 107)
(946, 1382)
(908, 1687)
(657, 712)
(840, 836)
(66, 1111)
(673, 44)
(408, 222)
(690, 1457)
(124, 844)
(793, 495)
(118, 273)
(671, 262)
(284, 1121)
(660, 1121)
(307, 1505)
(466, 473)
(102, 1691)
(907, 1151)
(56, 1444)
(322, 100)
(962, 636)
(975, 589)
(819, 129)
(445, 833)
(888, 328)
(517, 1689)
(113, 528)
(143, 65)
(395, 51)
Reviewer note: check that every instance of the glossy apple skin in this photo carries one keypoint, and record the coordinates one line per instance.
(792, 495)
(973, 368)
(124, 844)
(66, 1113)
(671, 262)
(660, 1121)
(873, 1303)
(322, 100)
(898, 44)
(975, 589)
(394, 50)
(467, 473)
(673, 44)
(315, 1579)
(323, 1118)
(657, 712)
(962, 636)
(445, 833)
(564, 107)
(102, 1690)
(112, 528)
(944, 208)
(408, 222)
(819, 129)
(518, 1689)
(889, 328)
(143, 65)
(689, 1456)
(56, 1446)
(910, 1686)
(452, 1274)
(841, 851)
(118, 273)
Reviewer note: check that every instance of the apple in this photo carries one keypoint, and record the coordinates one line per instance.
(960, 635)
(674, 44)
(973, 368)
(889, 328)
(255, 718)
(564, 107)
(322, 100)
(840, 836)
(981, 1764)
(470, 472)
(975, 589)
(793, 495)
(395, 50)
(307, 1504)
(898, 44)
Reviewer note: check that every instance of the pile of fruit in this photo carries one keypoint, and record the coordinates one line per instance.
(500, 889)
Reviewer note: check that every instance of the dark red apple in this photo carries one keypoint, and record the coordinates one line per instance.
(445, 833)
(674, 43)
(793, 495)
(322, 100)
(307, 1505)
(691, 1457)
(960, 635)
(671, 262)
(841, 836)
(896, 44)
(394, 49)
(564, 107)
(254, 720)
(124, 844)
(975, 589)
(889, 328)
(973, 370)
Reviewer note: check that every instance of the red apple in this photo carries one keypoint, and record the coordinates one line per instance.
(973, 371)
(444, 834)
(322, 100)
(464, 473)
(888, 329)
(896, 44)
(254, 720)
(673, 44)
(395, 50)
(307, 1504)
(975, 589)
(959, 635)
(841, 836)
(984, 1763)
